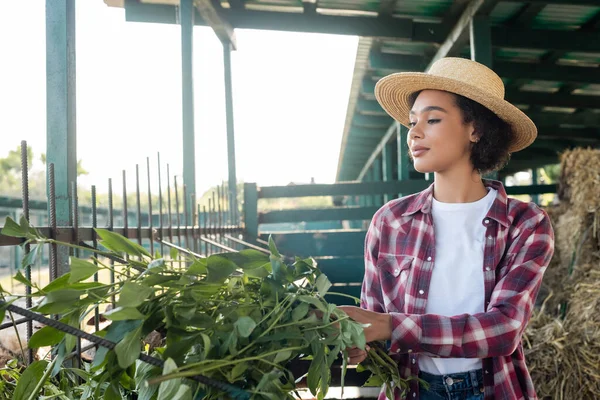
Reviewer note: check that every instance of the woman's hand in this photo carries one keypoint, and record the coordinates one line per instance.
(356, 355)
(380, 323)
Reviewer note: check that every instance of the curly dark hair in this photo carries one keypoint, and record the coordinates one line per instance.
(490, 153)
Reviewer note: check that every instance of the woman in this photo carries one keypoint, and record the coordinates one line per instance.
(452, 273)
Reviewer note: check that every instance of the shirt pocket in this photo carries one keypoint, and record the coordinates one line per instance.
(394, 272)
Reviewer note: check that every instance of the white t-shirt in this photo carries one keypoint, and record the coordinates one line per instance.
(457, 283)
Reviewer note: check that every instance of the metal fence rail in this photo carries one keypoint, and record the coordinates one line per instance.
(205, 231)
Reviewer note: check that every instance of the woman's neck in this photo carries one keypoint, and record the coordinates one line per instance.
(459, 186)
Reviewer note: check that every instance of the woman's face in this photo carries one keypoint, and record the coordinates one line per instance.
(439, 140)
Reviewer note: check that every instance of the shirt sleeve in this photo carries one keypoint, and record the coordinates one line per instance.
(371, 297)
(496, 332)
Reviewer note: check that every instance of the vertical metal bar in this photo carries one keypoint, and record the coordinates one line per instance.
(251, 210)
(230, 126)
(377, 178)
(149, 207)
(25, 196)
(75, 218)
(220, 212)
(95, 244)
(388, 167)
(138, 205)
(186, 218)
(52, 220)
(193, 223)
(403, 159)
(177, 211)
(534, 181)
(61, 145)
(186, 18)
(206, 248)
(169, 205)
(125, 211)
(160, 208)
(111, 224)
(199, 222)
(210, 222)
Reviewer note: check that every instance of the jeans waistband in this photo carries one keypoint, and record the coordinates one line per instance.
(454, 382)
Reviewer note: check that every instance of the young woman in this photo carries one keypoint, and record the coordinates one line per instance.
(452, 273)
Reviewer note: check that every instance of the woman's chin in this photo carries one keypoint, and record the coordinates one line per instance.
(423, 168)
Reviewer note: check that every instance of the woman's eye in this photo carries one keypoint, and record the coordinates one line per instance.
(433, 121)
(412, 124)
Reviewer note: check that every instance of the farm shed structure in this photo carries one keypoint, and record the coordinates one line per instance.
(546, 51)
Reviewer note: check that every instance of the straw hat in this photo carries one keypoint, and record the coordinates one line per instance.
(461, 76)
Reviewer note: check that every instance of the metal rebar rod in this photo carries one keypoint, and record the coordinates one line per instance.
(75, 219)
(169, 205)
(206, 249)
(138, 203)
(111, 224)
(199, 222)
(177, 211)
(186, 216)
(160, 206)
(149, 204)
(210, 222)
(52, 206)
(220, 229)
(25, 195)
(193, 221)
(248, 245)
(125, 211)
(95, 245)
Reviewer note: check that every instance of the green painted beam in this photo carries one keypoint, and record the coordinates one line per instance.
(375, 153)
(342, 269)
(319, 243)
(186, 18)
(221, 27)
(514, 70)
(310, 215)
(550, 119)
(370, 121)
(341, 189)
(251, 209)
(399, 28)
(481, 43)
(401, 62)
(61, 130)
(367, 133)
(387, 155)
(403, 157)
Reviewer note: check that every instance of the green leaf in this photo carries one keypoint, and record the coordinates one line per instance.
(144, 371)
(322, 284)
(206, 346)
(70, 340)
(115, 333)
(29, 379)
(174, 253)
(128, 349)
(81, 270)
(245, 326)
(59, 301)
(47, 336)
(20, 278)
(300, 311)
(11, 228)
(247, 259)
(273, 247)
(124, 313)
(132, 295)
(314, 371)
(168, 389)
(31, 257)
(219, 268)
(282, 356)
(198, 267)
(59, 283)
(238, 370)
(120, 244)
(183, 393)
(314, 301)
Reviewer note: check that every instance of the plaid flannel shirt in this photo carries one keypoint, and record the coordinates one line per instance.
(399, 259)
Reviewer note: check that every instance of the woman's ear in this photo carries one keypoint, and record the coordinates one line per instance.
(475, 136)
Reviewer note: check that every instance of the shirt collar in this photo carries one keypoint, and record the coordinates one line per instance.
(498, 211)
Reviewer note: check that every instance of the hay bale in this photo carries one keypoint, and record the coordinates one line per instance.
(562, 347)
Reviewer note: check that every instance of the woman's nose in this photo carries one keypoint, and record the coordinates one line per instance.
(415, 132)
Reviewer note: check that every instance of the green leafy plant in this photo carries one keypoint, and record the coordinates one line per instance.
(239, 317)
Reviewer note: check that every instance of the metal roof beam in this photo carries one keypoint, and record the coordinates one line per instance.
(553, 119)
(516, 97)
(389, 135)
(222, 28)
(370, 121)
(457, 39)
(510, 70)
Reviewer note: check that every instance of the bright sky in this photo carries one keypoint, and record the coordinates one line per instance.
(290, 96)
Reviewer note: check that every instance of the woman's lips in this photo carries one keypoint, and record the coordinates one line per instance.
(418, 151)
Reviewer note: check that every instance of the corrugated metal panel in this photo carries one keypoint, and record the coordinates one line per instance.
(520, 55)
(558, 16)
(424, 8)
(589, 90)
(581, 59)
(405, 47)
(542, 86)
(349, 5)
(504, 11)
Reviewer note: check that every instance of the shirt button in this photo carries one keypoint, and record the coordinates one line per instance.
(490, 237)
(421, 291)
(397, 271)
(414, 361)
(414, 395)
(487, 221)
(428, 258)
(488, 269)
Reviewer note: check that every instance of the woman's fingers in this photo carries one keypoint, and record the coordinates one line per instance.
(356, 355)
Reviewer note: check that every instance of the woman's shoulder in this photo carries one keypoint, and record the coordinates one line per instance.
(526, 214)
(398, 208)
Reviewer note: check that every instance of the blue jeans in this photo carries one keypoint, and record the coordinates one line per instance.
(458, 386)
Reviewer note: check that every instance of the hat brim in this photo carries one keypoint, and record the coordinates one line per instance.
(393, 92)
